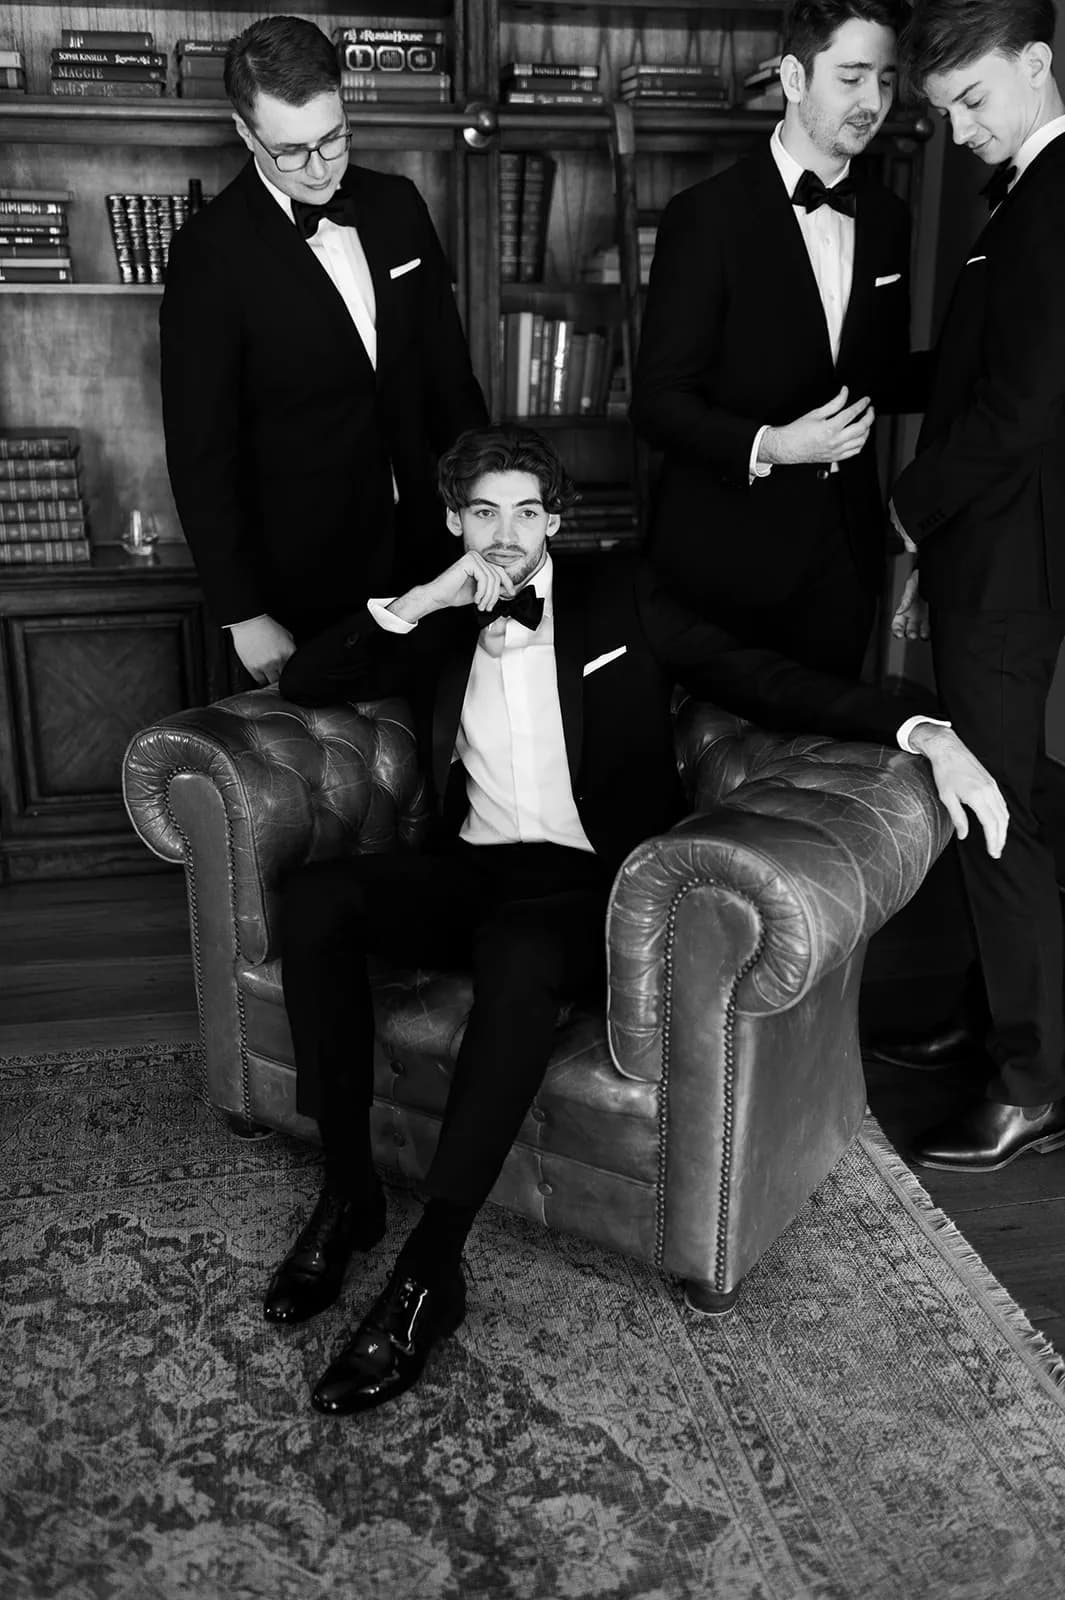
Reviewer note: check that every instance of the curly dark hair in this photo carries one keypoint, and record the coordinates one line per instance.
(808, 26)
(286, 57)
(943, 35)
(503, 449)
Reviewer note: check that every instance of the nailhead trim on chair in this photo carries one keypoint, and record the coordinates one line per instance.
(728, 1075)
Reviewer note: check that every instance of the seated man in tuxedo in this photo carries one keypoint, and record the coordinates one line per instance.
(541, 703)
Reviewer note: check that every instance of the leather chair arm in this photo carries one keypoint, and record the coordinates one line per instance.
(243, 790)
(771, 889)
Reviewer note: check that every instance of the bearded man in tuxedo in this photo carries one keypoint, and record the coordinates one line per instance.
(541, 706)
(777, 323)
(313, 363)
(983, 504)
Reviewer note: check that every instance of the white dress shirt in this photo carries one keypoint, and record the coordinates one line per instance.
(829, 239)
(510, 739)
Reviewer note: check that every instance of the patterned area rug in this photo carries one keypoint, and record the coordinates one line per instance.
(876, 1420)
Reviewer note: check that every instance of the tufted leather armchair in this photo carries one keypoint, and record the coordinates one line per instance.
(689, 1124)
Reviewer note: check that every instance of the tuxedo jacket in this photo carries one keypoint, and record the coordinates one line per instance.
(623, 639)
(984, 498)
(280, 435)
(734, 336)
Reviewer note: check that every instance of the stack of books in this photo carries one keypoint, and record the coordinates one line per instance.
(604, 266)
(762, 89)
(34, 236)
(200, 64)
(107, 64)
(553, 368)
(550, 83)
(604, 518)
(42, 513)
(393, 66)
(12, 74)
(142, 226)
(526, 179)
(697, 87)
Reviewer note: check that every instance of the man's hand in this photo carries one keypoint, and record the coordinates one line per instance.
(834, 432)
(263, 646)
(471, 580)
(911, 616)
(961, 781)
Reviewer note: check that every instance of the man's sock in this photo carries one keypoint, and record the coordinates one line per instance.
(433, 1250)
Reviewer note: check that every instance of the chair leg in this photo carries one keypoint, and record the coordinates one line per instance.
(703, 1297)
(242, 1128)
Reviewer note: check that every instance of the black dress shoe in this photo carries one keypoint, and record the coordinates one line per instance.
(948, 1045)
(989, 1135)
(391, 1344)
(311, 1275)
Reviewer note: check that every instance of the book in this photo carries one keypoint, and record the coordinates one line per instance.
(35, 255)
(201, 47)
(33, 532)
(38, 467)
(429, 94)
(24, 444)
(109, 58)
(42, 488)
(391, 58)
(80, 88)
(20, 511)
(53, 273)
(582, 86)
(12, 58)
(397, 83)
(588, 387)
(666, 69)
(563, 333)
(104, 39)
(13, 236)
(549, 69)
(538, 401)
(45, 550)
(35, 200)
(538, 177)
(707, 84)
(536, 359)
(12, 78)
(690, 97)
(523, 98)
(212, 68)
(93, 74)
(511, 170)
(367, 35)
(575, 359)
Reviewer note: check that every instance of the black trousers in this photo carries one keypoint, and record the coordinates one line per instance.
(527, 919)
(993, 671)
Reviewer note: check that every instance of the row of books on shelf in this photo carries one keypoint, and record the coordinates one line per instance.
(393, 65)
(526, 181)
(604, 518)
(35, 236)
(573, 83)
(42, 509)
(142, 226)
(553, 368)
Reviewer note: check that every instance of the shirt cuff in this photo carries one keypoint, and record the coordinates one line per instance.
(386, 619)
(756, 468)
(227, 625)
(903, 735)
(908, 542)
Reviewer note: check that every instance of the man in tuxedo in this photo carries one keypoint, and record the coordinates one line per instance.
(313, 363)
(541, 704)
(777, 321)
(984, 504)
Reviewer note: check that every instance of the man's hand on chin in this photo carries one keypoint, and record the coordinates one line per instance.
(471, 580)
(962, 782)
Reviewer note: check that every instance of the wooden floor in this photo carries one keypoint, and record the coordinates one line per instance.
(88, 964)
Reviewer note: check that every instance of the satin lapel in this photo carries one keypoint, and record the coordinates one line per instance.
(783, 259)
(378, 248)
(309, 277)
(447, 702)
(859, 301)
(570, 655)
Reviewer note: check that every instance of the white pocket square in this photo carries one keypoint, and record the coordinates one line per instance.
(604, 660)
(973, 259)
(408, 266)
(892, 277)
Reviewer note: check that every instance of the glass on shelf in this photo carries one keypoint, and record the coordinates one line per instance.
(140, 534)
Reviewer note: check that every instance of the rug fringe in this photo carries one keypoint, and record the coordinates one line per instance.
(1034, 1348)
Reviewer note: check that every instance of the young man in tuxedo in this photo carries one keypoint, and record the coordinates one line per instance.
(541, 704)
(984, 504)
(777, 321)
(313, 363)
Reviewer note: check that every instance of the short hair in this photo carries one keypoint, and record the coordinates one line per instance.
(281, 56)
(503, 449)
(809, 26)
(943, 35)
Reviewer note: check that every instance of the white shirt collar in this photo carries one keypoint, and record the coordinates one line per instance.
(1036, 143)
(282, 199)
(789, 168)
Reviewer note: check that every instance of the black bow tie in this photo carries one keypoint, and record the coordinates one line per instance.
(998, 188)
(811, 193)
(339, 209)
(526, 607)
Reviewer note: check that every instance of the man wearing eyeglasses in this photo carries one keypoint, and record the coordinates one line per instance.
(313, 363)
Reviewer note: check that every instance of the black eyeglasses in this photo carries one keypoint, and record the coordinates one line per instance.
(330, 148)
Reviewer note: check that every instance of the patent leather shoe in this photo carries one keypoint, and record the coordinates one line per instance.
(392, 1344)
(948, 1045)
(989, 1135)
(310, 1277)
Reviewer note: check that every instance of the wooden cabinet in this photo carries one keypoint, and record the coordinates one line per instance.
(88, 655)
